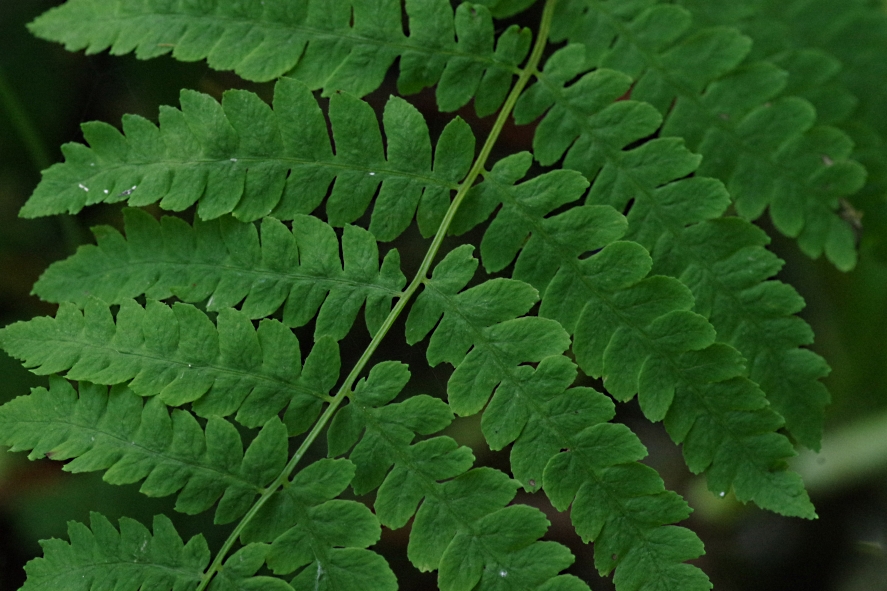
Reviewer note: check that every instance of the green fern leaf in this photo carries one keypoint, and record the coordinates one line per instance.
(637, 331)
(504, 546)
(832, 54)
(766, 151)
(814, 75)
(725, 265)
(226, 261)
(314, 41)
(130, 559)
(464, 530)
(530, 407)
(131, 441)
(647, 182)
(800, 37)
(244, 158)
(654, 564)
(803, 201)
(178, 354)
(669, 301)
(545, 416)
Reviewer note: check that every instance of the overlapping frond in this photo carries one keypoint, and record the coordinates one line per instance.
(765, 148)
(228, 263)
(330, 44)
(130, 440)
(811, 41)
(128, 559)
(461, 525)
(842, 80)
(648, 181)
(725, 264)
(536, 410)
(636, 330)
(244, 158)
(178, 354)
(322, 537)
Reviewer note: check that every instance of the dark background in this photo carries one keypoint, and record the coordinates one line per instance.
(46, 92)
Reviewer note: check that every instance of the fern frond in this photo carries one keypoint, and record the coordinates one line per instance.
(848, 39)
(668, 301)
(131, 559)
(231, 262)
(113, 432)
(464, 529)
(334, 45)
(725, 264)
(766, 150)
(637, 330)
(130, 440)
(244, 158)
(805, 173)
(810, 40)
(178, 354)
(814, 75)
(648, 181)
(325, 538)
(536, 409)
(856, 36)
(616, 502)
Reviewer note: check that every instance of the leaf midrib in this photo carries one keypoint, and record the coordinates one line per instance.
(170, 163)
(127, 443)
(260, 274)
(183, 364)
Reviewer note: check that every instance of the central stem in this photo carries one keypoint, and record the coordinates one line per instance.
(421, 276)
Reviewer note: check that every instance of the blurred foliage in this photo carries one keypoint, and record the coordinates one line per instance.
(46, 92)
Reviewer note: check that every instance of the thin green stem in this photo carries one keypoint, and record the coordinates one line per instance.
(23, 125)
(421, 276)
(36, 149)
